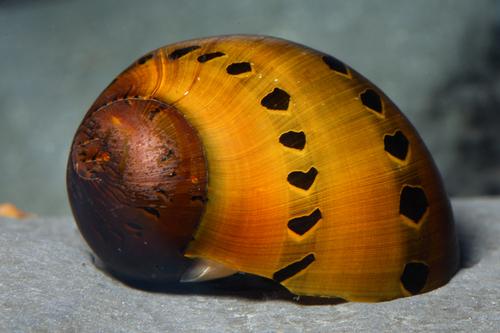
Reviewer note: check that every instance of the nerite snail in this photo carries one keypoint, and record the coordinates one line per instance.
(254, 154)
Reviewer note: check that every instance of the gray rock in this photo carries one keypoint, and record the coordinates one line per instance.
(48, 283)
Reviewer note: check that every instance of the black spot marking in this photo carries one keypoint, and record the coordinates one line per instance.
(134, 229)
(335, 64)
(303, 224)
(239, 68)
(396, 145)
(414, 277)
(294, 268)
(209, 56)
(167, 156)
(145, 58)
(413, 203)
(151, 211)
(276, 100)
(302, 180)
(371, 100)
(200, 198)
(153, 113)
(182, 52)
(296, 140)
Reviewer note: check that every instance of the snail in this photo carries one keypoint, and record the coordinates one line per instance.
(258, 155)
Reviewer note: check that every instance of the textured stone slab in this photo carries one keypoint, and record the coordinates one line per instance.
(48, 283)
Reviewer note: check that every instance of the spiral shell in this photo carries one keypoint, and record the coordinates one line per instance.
(265, 157)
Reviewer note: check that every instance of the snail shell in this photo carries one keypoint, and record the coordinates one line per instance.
(258, 155)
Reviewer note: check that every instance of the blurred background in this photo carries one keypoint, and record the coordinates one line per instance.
(439, 61)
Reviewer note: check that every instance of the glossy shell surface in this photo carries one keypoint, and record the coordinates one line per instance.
(314, 178)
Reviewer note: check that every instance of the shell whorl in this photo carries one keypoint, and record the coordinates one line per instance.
(137, 183)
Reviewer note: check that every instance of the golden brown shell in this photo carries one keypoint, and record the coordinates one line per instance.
(315, 178)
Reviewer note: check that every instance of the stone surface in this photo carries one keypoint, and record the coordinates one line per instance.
(48, 283)
(438, 61)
